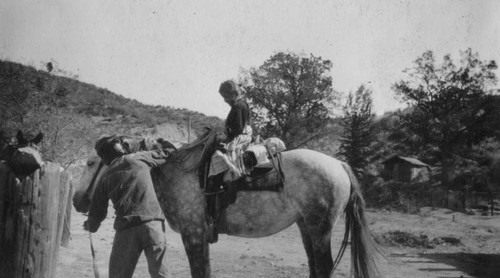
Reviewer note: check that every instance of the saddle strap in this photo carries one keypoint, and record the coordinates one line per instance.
(277, 165)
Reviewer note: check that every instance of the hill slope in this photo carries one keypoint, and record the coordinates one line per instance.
(73, 114)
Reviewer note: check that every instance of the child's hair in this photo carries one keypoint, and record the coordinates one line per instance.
(229, 88)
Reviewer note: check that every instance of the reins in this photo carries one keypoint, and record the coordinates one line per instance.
(87, 195)
(94, 260)
(277, 166)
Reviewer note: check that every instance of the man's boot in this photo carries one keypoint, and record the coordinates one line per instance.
(212, 234)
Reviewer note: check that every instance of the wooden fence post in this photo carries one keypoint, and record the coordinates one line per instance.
(464, 200)
(66, 233)
(60, 216)
(492, 204)
(30, 221)
(432, 198)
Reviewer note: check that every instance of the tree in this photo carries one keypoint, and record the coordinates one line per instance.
(291, 97)
(448, 104)
(358, 129)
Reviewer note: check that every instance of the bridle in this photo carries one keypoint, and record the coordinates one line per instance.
(86, 197)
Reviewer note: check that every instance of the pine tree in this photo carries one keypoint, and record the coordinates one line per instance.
(358, 131)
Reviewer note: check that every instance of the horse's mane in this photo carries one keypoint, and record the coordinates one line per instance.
(191, 156)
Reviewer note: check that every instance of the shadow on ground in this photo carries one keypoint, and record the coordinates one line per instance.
(476, 265)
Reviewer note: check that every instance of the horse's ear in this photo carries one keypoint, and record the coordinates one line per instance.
(20, 138)
(38, 138)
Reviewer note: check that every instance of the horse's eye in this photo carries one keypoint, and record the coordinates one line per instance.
(90, 163)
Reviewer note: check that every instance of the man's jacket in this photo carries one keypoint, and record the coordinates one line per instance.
(128, 184)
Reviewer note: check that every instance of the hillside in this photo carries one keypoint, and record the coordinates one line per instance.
(73, 114)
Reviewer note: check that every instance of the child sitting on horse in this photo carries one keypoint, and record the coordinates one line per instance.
(237, 126)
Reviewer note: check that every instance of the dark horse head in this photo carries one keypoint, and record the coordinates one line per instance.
(21, 154)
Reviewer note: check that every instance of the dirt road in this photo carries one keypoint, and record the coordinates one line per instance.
(436, 243)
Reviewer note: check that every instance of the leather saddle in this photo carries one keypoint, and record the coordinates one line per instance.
(220, 194)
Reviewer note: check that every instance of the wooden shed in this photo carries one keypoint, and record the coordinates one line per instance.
(405, 169)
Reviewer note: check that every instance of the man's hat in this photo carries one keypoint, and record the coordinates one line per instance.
(106, 147)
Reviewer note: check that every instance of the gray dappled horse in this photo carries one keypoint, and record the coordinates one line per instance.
(318, 190)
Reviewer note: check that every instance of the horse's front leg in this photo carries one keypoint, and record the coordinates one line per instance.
(185, 208)
(196, 246)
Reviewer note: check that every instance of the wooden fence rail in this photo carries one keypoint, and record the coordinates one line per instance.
(32, 220)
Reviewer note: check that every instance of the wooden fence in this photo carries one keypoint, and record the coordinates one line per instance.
(461, 200)
(456, 200)
(33, 221)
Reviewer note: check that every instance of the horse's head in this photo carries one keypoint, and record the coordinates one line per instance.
(22, 154)
(84, 191)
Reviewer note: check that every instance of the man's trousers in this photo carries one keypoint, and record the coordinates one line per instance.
(129, 244)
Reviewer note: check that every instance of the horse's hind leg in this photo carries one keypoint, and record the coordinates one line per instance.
(306, 240)
(197, 250)
(316, 235)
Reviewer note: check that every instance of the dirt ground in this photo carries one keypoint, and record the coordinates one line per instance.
(434, 243)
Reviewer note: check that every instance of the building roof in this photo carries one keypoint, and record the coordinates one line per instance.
(410, 160)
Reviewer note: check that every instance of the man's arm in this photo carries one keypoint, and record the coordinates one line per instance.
(152, 158)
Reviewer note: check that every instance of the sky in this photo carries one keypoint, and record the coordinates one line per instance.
(176, 53)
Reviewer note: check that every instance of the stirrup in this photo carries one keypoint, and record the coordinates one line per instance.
(212, 234)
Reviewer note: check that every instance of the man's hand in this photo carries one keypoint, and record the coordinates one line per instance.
(119, 148)
(86, 226)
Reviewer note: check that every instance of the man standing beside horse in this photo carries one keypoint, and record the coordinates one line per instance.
(139, 222)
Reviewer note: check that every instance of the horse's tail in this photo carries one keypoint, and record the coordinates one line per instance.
(362, 243)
